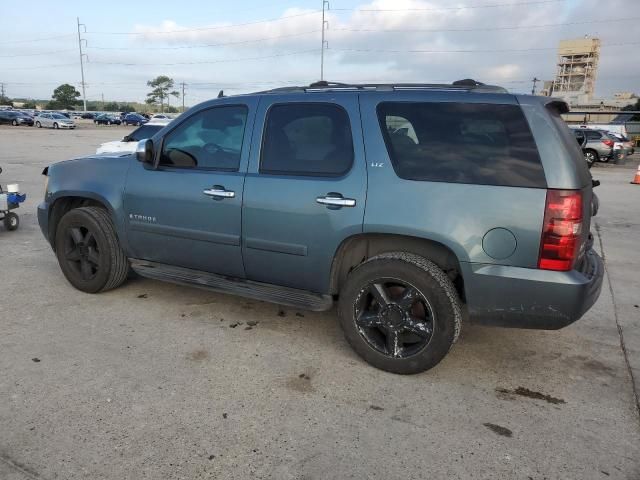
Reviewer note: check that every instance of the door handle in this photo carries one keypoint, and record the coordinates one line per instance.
(219, 192)
(336, 200)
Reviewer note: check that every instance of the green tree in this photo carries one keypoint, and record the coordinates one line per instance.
(65, 96)
(111, 107)
(162, 87)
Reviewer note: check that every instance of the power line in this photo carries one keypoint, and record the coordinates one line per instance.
(207, 45)
(483, 29)
(37, 54)
(261, 57)
(217, 27)
(39, 39)
(489, 50)
(461, 7)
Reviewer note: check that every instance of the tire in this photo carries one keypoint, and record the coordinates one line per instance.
(55, 125)
(591, 157)
(425, 315)
(14, 123)
(88, 250)
(38, 125)
(11, 221)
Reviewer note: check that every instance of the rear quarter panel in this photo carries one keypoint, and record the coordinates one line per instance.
(453, 214)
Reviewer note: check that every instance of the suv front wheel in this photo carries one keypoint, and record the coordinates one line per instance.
(88, 250)
(400, 312)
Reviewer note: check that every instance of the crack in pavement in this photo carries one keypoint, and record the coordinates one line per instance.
(625, 354)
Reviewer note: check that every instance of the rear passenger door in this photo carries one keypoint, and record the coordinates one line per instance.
(305, 188)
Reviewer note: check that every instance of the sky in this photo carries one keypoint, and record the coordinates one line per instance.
(252, 45)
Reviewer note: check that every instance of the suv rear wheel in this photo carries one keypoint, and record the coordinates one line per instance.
(400, 312)
(88, 250)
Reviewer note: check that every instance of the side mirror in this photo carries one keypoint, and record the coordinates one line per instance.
(126, 138)
(144, 151)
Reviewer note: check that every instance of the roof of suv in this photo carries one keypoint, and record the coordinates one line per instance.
(322, 86)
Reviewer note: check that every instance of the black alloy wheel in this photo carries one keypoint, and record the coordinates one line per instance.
(394, 317)
(81, 252)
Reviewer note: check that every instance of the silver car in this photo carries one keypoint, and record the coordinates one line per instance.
(54, 120)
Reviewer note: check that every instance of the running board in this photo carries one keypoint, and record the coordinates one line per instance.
(245, 288)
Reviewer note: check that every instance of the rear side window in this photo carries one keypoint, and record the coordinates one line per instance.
(307, 139)
(461, 143)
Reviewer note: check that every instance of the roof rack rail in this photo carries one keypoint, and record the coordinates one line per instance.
(467, 84)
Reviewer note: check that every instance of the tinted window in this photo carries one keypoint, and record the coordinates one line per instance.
(307, 139)
(146, 131)
(593, 135)
(209, 139)
(461, 143)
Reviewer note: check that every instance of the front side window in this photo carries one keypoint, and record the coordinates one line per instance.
(486, 144)
(307, 139)
(211, 139)
(145, 131)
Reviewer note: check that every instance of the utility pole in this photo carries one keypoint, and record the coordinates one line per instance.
(325, 25)
(1, 90)
(82, 56)
(183, 84)
(102, 95)
(535, 80)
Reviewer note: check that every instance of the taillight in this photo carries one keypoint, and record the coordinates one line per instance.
(608, 143)
(561, 230)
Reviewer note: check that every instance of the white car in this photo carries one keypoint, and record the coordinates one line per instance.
(53, 120)
(129, 142)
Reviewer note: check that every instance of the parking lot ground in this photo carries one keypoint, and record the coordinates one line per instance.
(154, 380)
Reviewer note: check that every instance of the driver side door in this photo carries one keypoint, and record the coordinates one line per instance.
(185, 210)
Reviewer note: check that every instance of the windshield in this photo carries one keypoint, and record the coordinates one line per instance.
(58, 115)
(146, 131)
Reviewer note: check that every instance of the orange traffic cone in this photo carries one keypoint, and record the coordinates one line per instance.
(636, 179)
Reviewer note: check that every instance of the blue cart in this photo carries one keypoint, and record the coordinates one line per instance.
(10, 201)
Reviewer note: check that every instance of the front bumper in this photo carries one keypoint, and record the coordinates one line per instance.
(43, 219)
(517, 297)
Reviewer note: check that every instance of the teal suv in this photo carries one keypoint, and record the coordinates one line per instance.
(409, 207)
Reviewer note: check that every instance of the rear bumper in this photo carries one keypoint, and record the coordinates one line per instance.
(528, 298)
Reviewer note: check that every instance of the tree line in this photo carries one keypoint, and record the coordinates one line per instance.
(67, 97)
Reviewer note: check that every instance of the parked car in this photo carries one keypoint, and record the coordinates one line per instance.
(134, 119)
(15, 118)
(54, 120)
(161, 116)
(107, 119)
(626, 144)
(306, 196)
(88, 115)
(599, 146)
(129, 143)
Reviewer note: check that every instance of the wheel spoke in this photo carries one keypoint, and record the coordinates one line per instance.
(88, 238)
(380, 294)
(76, 235)
(93, 256)
(393, 343)
(73, 255)
(85, 269)
(408, 298)
(418, 326)
(368, 320)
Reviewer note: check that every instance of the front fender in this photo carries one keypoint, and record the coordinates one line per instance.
(98, 178)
